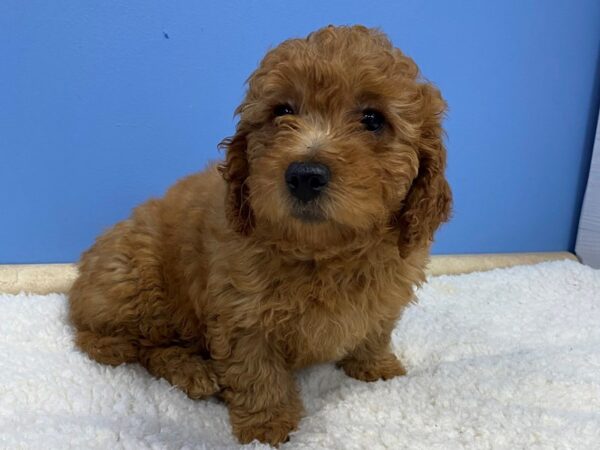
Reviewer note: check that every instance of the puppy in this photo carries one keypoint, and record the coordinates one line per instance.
(303, 246)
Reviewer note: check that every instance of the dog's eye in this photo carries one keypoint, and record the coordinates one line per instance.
(372, 120)
(283, 110)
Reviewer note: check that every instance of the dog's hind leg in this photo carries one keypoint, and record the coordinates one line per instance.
(112, 350)
(182, 367)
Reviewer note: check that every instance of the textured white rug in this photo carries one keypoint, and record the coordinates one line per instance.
(502, 359)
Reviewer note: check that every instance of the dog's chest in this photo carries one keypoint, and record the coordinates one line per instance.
(326, 321)
(317, 336)
(314, 312)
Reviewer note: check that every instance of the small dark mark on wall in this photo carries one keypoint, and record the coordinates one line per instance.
(166, 35)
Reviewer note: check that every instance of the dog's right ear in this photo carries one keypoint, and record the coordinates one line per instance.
(235, 171)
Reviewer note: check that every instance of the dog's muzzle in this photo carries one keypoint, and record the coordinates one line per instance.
(306, 181)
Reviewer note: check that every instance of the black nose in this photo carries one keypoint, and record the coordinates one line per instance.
(305, 181)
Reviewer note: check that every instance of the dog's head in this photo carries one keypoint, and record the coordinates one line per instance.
(338, 139)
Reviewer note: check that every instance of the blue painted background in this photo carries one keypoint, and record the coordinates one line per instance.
(104, 104)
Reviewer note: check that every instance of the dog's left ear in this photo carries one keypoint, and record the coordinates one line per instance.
(235, 171)
(429, 200)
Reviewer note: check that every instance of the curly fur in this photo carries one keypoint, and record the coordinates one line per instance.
(218, 288)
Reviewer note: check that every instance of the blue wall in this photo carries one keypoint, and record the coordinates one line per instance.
(104, 104)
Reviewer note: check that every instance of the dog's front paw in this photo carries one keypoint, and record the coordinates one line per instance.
(197, 379)
(267, 428)
(379, 369)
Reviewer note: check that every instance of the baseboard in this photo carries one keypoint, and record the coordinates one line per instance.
(36, 278)
(47, 278)
(457, 264)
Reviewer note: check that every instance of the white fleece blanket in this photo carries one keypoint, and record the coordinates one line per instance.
(502, 359)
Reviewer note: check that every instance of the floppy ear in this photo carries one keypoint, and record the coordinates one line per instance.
(429, 200)
(235, 171)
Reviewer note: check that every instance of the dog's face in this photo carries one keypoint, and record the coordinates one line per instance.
(338, 140)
